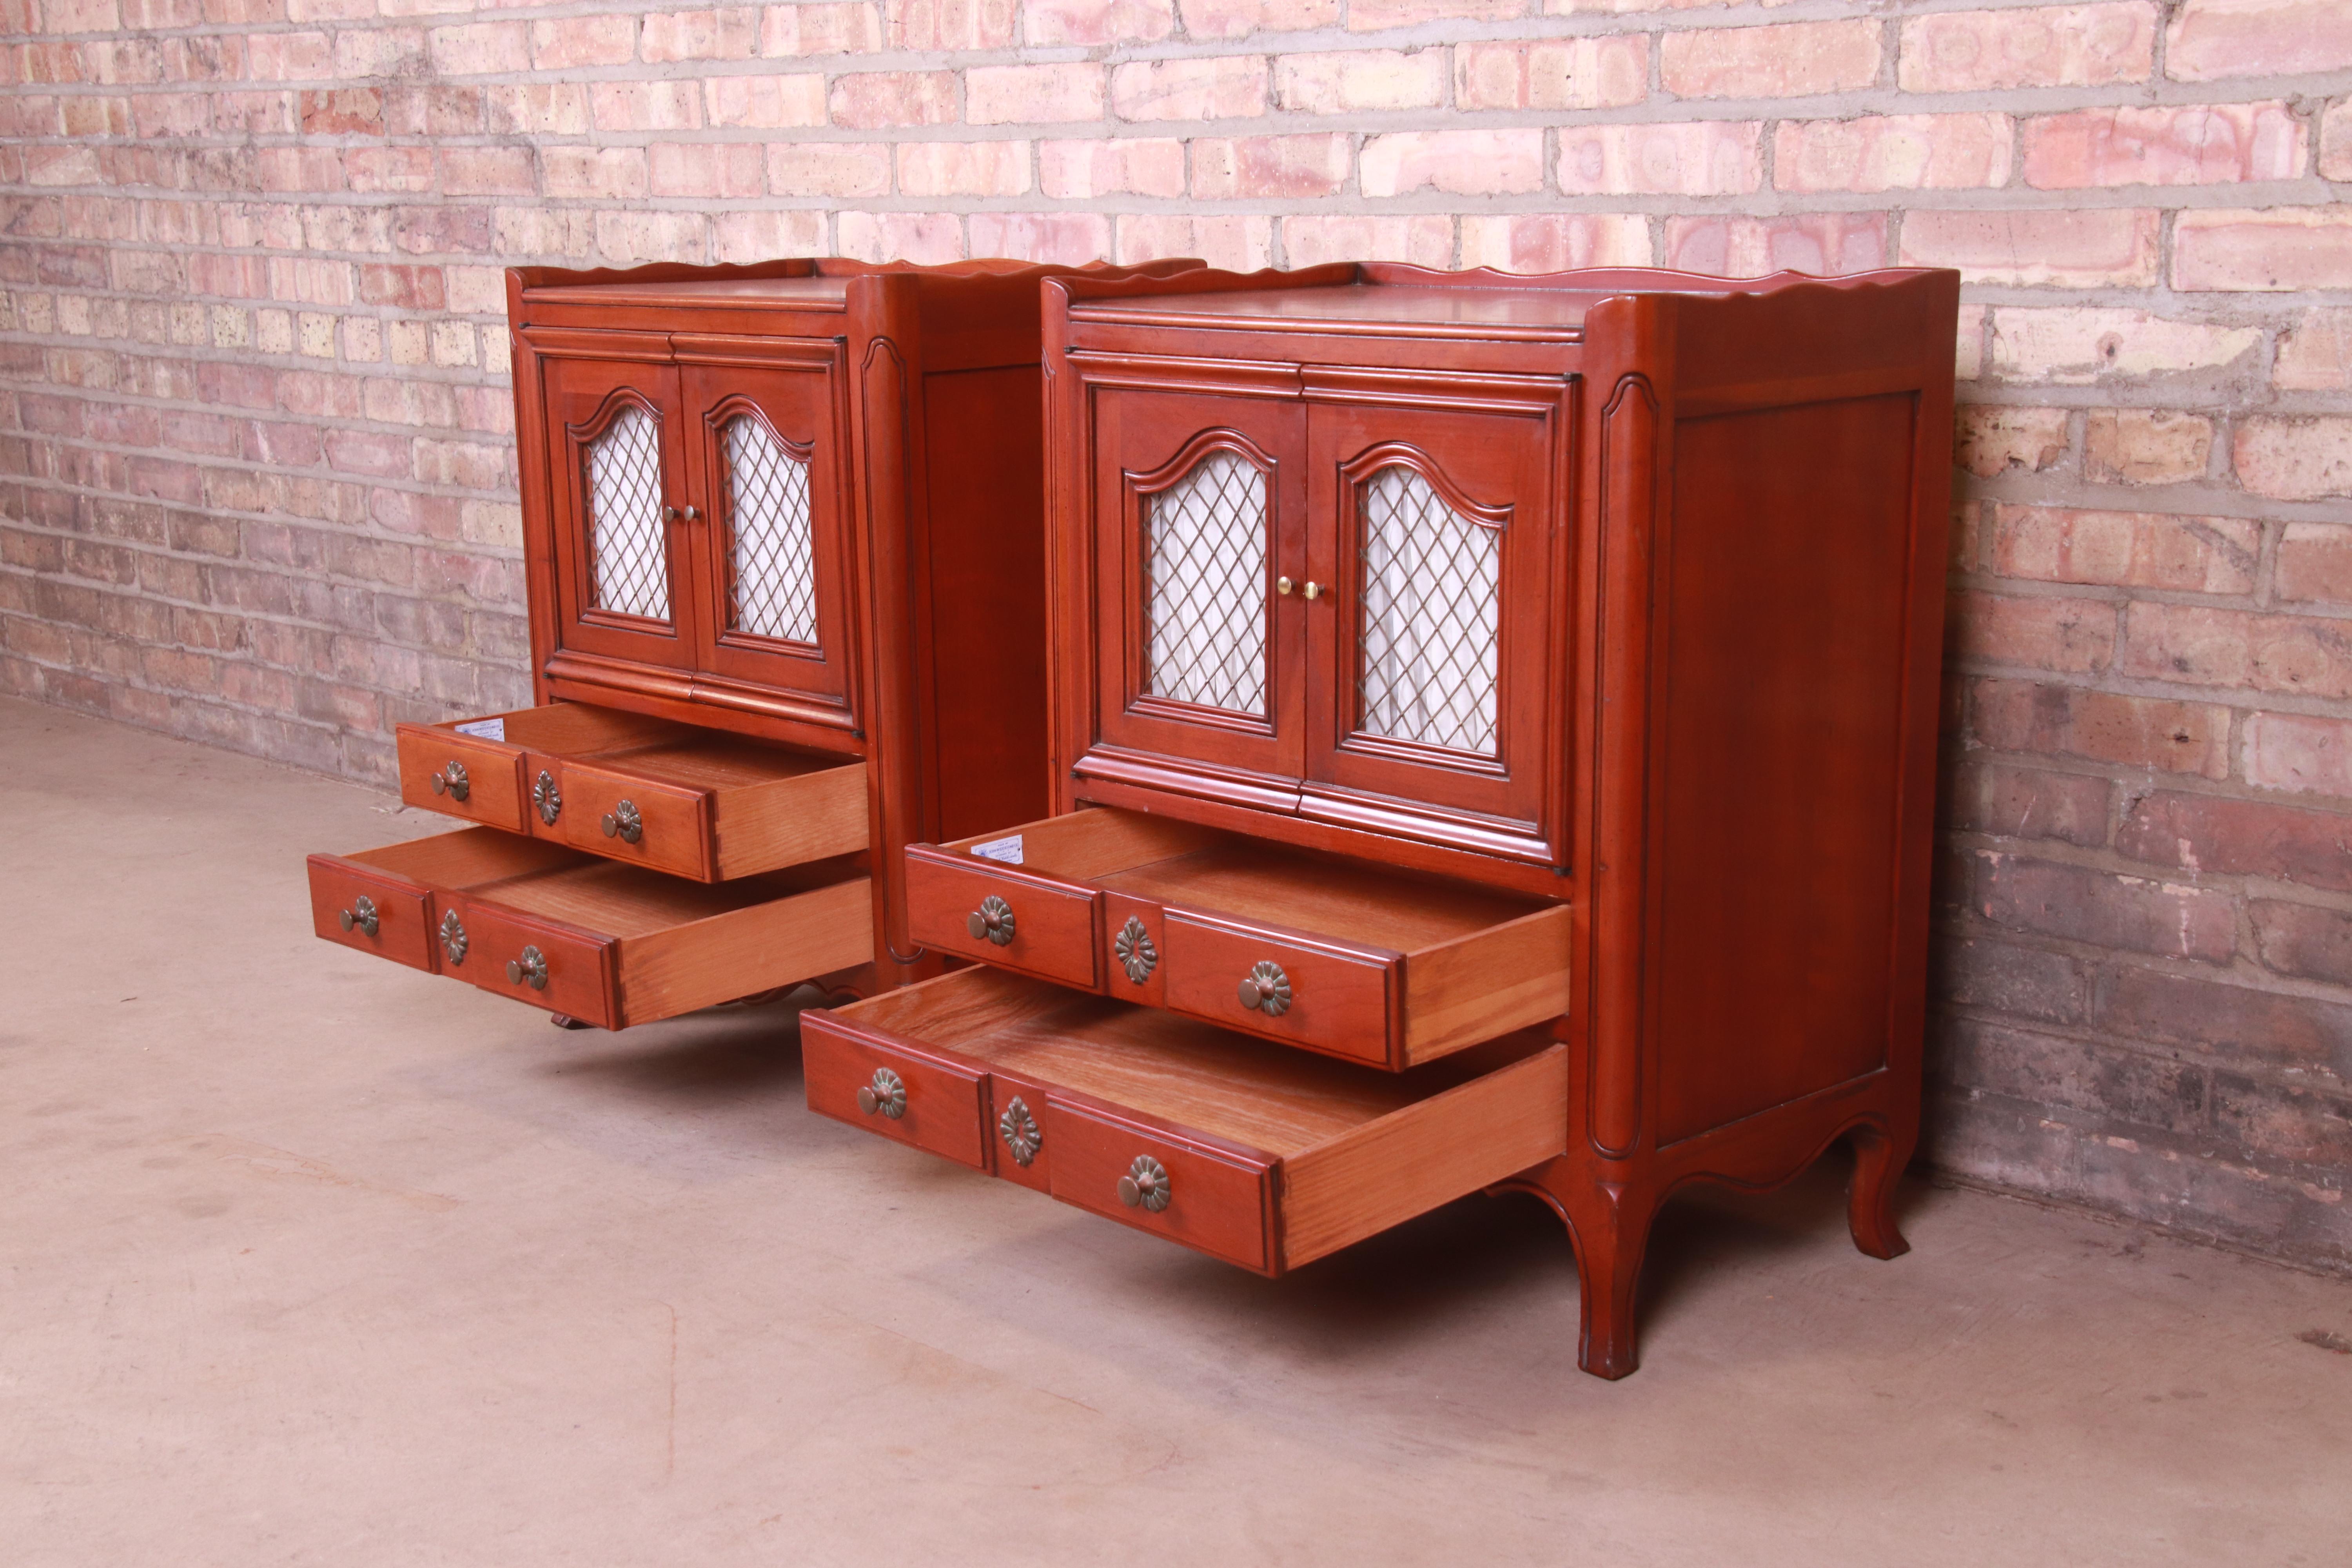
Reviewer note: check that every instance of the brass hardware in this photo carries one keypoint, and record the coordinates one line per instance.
(669, 514)
(452, 937)
(1282, 584)
(1132, 947)
(530, 969)
(887, 1095)
(1023, 1137)
(1314, 589)
(623, 823)
(452, 780)
(547, 797)
(361, 914)
(692, 515)
(1145, 1186)
(992, 921)
(1267, 990)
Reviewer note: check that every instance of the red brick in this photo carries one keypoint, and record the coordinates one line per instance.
(1425, 241)
(342, 111)
(1893, 151)
(481, 48)
(1232, 89)
(1238, 243)
(2030, 803)
(1708, 157)
(1208, 20)
(2209, 835)
(2150, 732)
(2196, 646)
(630, 236)
(2283, 249)
(2335, 140)
(1566, 73)
(2297, 751)
(854, 27)
(1367, 16)
(1097, 22)
(1991, 440)
(1224, 168)
(875, 99)
(2075, 250)
(2130, 548)
(828, 169)
(1066, 238)
(2210, 40)
(2301, 941)
(2314, 564)
(2146, 446)
(1818, 242)
(406, 288)
(2038, 45)
(2077, 903)
(1147, 166)
(646, 105)
(2076, 635)
(946, 24)
(488, 171)
(1556, 242)
(2198, 144)
(2316, 353)
(1792, 60)
(900, 237)
(731, 32)
(576, 41)
(2000, 977)
(2294, 458)
(777, 103)
(705, 169)
(964, 169)
(2075, 345)
(1457, 163)
(1360, 80)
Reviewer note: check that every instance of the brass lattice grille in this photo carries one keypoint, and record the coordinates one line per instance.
(1431, 608)
(774, 547)
(628, 556)
(1205, 563)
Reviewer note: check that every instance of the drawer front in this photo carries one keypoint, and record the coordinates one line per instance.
(560, 968)
(1217, 1200)
(478, 779)
(1054, 933)
(939, 1103)
(1320, 997)
(602, 809)
(356, 906)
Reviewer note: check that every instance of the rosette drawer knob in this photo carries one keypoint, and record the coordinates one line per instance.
(547, 797)
(361, 916)
(1266, 990)
(886, 1096)
(623, 823)
(529, 969)
(992, 921)
(1145, 1186)
(452, 937)
(1023, 1137)
(451, 780)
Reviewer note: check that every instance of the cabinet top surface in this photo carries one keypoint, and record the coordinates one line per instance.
(1456, 311)
(766, 293)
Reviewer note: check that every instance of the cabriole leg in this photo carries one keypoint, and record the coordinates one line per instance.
(1609, 1227)
(1878, 1162)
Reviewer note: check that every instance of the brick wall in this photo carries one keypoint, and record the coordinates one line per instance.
(259, 484)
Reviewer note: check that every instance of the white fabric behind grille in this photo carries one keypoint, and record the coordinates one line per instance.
(1432, 609)
(628, 555)
(774, 545)
(1205, 562)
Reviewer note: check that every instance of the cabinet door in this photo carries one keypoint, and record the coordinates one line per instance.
(1432, 530)
(1199, 507)
(770, 554)
(620, 545)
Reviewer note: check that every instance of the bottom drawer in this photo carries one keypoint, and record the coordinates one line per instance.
(1253, 1152)
(607, 943)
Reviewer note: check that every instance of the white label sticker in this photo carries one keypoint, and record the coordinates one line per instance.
(485, 728)
(1006, 850)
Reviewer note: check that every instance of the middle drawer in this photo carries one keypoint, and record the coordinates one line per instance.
(1327, 954)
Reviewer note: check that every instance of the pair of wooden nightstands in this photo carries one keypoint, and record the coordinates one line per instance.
(1431, 733)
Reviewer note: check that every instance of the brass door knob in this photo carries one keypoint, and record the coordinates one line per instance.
(623, 823)
(1315, 589)
(547, 797)
(1266, 990)
(1282, 584)
(1145, 1186)
(528, 969)
(992, 921)
(669, 514)
(362, 914)
(692, 515)
(451, 780)
(886, 1096)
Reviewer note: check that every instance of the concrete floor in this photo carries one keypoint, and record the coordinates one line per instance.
(312, 1258)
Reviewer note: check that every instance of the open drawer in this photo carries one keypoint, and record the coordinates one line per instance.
(1262, 1156)
(1329, 954)
(687, 801)
(610, 944)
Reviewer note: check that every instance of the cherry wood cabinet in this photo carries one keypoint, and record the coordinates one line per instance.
(785, 543)
(1456, 680)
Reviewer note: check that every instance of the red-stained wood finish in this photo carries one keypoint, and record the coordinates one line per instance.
(1710, 516)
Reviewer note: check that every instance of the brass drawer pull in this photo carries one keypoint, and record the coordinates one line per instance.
(361, 914)
(451, 780)
(547, 797)
(1145, 1186)
(992, 921)
(452, 937)
(886, 1096)
(1132, 947)
(530, 969)
(1267, 990)
(623, 823)
(1023, 1137)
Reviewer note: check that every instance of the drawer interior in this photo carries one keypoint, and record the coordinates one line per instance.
(1232, 874)
(659, 749)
